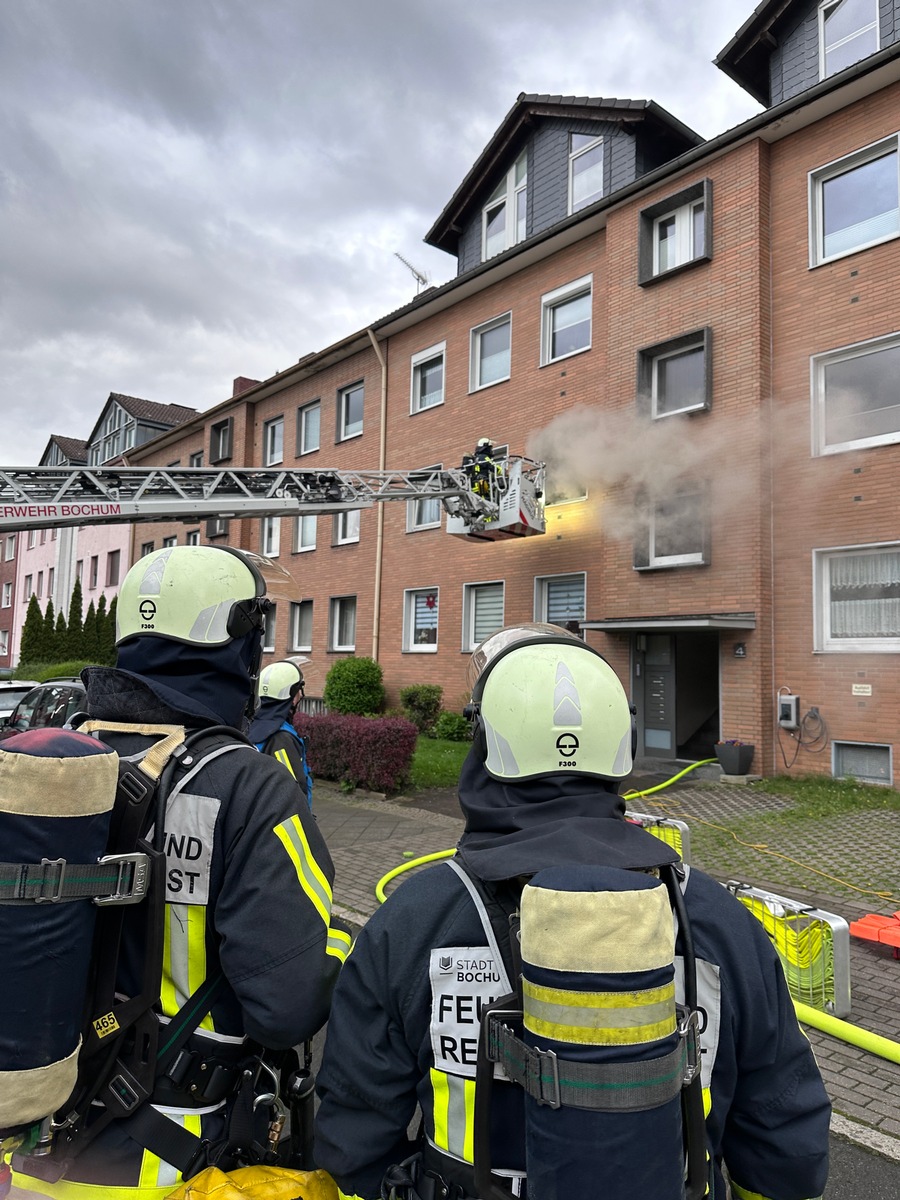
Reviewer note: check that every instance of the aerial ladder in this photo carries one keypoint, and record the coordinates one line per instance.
(511, 505)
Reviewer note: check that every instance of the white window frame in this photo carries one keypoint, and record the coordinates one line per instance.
(470, 591)
(819, 177)
(823, 642)
(840, 744)
(7, 594)
(574, 155)
(475, 336)
(31, 540)
(192, 538)
(415, 377)
(694, 558)
(269, 635)
(270, 536)
(273, 442)
(344, 395)
(507, 195)
(196, 459)
(410, 646)
(9, 551)
(302, 523)
(551, 302)
(824, 9)
(169, 541)
(297, 608)
(818, 364)
(4, 642)
(304, 441)
(685, 249)
(542, 592)
(334, 623)
(413, 524)
(702, 401)
(345, 529)
(28, 588)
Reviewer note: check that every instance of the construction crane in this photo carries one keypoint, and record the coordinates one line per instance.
(53, 497)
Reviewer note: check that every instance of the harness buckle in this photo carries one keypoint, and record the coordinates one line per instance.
(689, 1032)
(132, 880)
(52, 886)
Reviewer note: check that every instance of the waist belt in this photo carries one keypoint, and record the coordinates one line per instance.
(197, 1080)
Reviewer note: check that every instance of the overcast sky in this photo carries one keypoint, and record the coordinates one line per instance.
(192, 190)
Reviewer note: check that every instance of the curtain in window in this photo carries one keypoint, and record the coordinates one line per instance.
(565, 599)
(425, 618)
(488, 611)
(865, 595)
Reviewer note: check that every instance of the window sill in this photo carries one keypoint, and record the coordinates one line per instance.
(833, 258)
(424, 528)
(671, 566)
(311, 450)
(676, 270)
(349, 437)
(551, 362)
(414, 412)
(419, 650)
(484, 386)
(304, 550)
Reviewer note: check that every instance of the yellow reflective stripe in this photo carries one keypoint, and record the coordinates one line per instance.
(740, 1193)
(69, 1190)
(600, 1018)
(453, 1111)
(348, 1196)
(184, 958)
(155, 1172)
(293, 837)
(338, 943)
(707, 1101)
(282, 756)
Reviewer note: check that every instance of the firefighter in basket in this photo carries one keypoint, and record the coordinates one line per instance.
(559, 912)
(249, 952)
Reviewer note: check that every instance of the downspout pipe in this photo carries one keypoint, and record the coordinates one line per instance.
(379, 519)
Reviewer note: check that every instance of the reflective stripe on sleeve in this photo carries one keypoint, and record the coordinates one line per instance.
(292, 836)
(282, 756)
(338, 943)
(454, 1114)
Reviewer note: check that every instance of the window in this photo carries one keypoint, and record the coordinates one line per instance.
(304, 532)
(856, 760)
(854, 396)
(674, 531)
(32, 539)
(10, 547)
(346, 527)
(857, 607)
(221, 435)
(51, 579)
(562, 488)
(854, 202)
(7, 594)
(196, 459)
(482, 612)
(79, 568)
(29, 587)
(270, 536)
(43, 536)
(146, 548)
(217, 527)
(269, 635)
(585, 170)
(4, 642)
(675, 232)
(675, 376)
(342, 623)
(559, 598)
(427, 381)
(420, 620)
(427, 511)
(95, 571)
(273, 442)
(40, 584)
(848, 31)
(193, 537)
(350, 412)
(169, 541)
(566, 320)
(489, 352)
(112, 567)
(309, 419)
(301, 625)
(505, 216)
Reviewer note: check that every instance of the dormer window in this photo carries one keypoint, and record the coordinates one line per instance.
(504, 215)
(848, 31)
(585, 170)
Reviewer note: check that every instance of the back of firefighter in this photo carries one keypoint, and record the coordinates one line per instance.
(272, 728)
(404, 1026)
(249, 878)
(481, 468)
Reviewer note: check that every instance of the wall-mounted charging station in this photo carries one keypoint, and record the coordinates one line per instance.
(788, 711)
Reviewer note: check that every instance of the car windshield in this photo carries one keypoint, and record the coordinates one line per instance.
(21, 718)
(10, 696)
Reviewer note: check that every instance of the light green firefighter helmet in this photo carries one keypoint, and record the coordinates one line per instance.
(549, 704)
(200, 595)
(277, 679)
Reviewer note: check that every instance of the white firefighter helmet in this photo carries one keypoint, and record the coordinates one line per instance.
(277, 680)
(199, 595)
(482, 443)
(549, 704)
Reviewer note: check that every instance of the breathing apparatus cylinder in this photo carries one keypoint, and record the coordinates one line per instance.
(57, 789)
(598, 980)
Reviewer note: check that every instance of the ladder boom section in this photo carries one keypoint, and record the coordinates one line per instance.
(41, 497)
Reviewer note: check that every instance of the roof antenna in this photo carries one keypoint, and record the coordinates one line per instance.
(421, 279)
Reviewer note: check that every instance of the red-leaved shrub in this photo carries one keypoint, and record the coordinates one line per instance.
(370, 752)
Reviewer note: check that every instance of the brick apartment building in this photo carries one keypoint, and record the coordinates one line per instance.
(700, 339)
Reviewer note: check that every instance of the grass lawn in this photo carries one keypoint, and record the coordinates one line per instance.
(437, 763)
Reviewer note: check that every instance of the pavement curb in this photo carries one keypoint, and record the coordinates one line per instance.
(865, 1136)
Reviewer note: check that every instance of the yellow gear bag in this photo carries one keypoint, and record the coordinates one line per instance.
(257, 1183)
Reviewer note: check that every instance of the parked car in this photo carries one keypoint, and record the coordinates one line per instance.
(50, 703)
(11, 692)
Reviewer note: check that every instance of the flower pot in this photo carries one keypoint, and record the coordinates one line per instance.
(734, 760)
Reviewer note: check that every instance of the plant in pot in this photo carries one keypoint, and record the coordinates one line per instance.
(734, 756)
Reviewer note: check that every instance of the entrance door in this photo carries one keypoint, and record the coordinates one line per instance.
(676, 689)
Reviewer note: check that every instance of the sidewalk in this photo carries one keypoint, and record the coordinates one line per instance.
(368, 837)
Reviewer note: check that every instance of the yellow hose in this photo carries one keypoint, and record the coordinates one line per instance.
(845, 1032)
(408, 866)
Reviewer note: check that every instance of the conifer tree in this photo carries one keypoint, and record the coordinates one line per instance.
(48, 645)
(75, 623)
(61, 640)
(31, 650)
(89, 643)
(108, 648)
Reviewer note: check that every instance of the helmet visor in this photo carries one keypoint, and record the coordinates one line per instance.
(497, 642)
